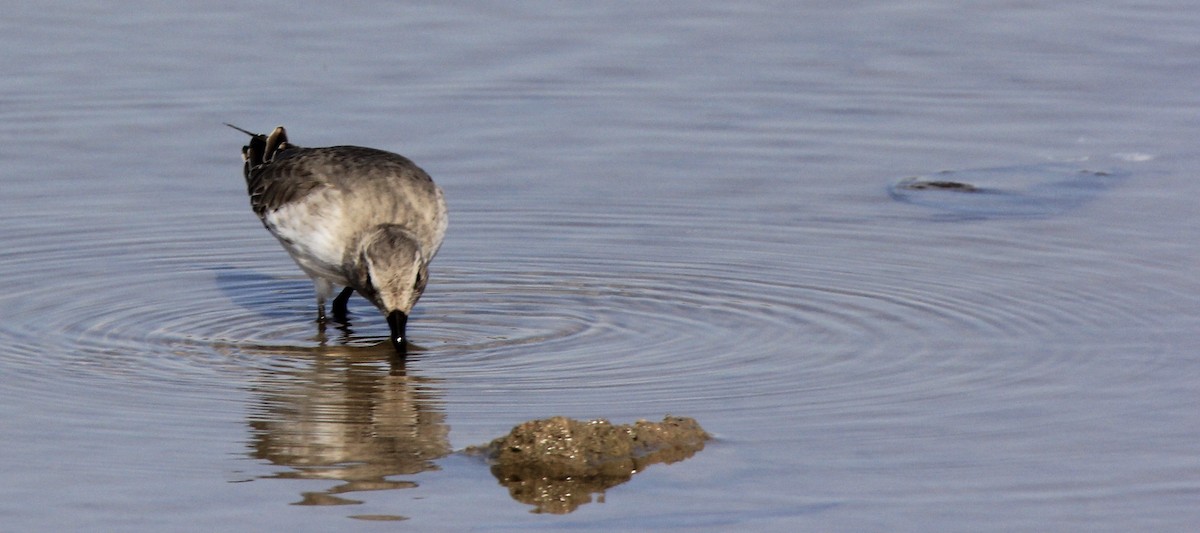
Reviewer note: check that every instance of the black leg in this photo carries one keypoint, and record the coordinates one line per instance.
(339, 304)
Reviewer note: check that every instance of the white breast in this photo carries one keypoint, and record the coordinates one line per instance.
(314, 232)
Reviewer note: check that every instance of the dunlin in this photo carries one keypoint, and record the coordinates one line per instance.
(359, 218)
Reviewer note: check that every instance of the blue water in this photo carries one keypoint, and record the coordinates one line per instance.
(679, 208)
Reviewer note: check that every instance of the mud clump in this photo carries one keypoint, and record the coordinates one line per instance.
(556, 464)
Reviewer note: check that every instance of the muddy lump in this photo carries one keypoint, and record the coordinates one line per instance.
(557, 463)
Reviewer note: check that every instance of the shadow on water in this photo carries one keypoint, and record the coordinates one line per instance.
(262, 293)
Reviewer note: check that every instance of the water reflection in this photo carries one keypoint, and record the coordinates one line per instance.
(353, 415)
(356, 416)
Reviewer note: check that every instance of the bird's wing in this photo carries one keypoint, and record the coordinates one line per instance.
(272, 185)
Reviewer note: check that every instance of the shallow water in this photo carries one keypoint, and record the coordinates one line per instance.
(680, 209)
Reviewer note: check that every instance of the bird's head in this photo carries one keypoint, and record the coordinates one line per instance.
(392, 272)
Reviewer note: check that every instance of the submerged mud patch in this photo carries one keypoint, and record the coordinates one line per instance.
(1028, 191)
(557, 464)
(917, 184)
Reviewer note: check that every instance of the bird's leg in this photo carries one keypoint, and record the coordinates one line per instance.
(339, 304)
(324, 289)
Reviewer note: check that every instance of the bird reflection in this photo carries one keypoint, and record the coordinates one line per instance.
(348, 414)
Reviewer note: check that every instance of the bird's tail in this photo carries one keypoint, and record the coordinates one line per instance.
(262, 148)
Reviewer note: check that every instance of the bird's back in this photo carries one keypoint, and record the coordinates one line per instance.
(357, 188)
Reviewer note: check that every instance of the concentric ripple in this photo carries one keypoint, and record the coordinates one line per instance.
(657, 305)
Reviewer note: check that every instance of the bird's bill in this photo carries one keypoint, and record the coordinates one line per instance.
(397, 320)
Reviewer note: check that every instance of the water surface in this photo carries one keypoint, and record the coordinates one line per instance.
(683, 208)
